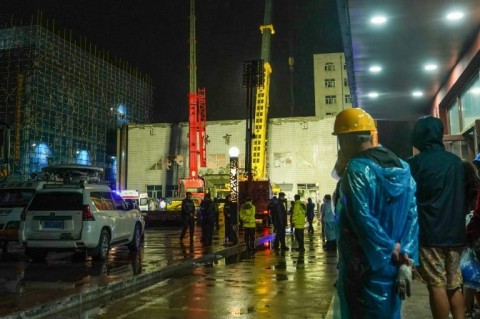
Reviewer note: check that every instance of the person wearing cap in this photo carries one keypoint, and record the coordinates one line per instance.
(377, 222)
(247, 215)
(188, 216)
(280, 212)
(441, 214)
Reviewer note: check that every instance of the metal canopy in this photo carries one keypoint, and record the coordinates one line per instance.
(415, 33)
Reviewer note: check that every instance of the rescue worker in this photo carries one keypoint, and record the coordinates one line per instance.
(377, 222)
(188, 216)
(280, 221)
(247, 215)
(208, 210)
(298, 217)
(272, 212)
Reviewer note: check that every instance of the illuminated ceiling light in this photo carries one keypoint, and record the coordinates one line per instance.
(373, 95)
(378, 20)
(417, 93)
(375, 69)
(475, 90)
(455, 15)
(430, 67)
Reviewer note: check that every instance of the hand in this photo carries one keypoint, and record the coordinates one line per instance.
(404, 280)
(396, 253)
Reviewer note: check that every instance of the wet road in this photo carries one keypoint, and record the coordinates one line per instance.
(24, 283)
(254, 283)
(263, 284)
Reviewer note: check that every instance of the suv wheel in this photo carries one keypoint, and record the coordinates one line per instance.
(101, 251)
(136, 239)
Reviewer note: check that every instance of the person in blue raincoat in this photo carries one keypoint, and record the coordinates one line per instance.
(377, 222)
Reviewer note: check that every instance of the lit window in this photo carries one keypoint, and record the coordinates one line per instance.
(83, 158)
(330, 99)
(329, 83)
(329, 66)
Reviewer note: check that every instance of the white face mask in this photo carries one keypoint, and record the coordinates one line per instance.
(339, 164)
(335, 174)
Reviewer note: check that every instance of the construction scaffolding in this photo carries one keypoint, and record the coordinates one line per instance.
(63, 100)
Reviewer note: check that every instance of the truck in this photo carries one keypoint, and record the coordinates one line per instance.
(195, 185)
(139, 200)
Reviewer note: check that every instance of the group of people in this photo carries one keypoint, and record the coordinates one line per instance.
(394, 215)
(208, 219)
(299, 214)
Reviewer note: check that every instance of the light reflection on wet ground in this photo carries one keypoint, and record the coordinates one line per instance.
(263, 284)
(266, 275)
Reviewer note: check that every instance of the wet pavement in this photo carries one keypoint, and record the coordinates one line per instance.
(182, 281)
(261, 284)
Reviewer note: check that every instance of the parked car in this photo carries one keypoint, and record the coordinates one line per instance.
(79, 217)
(14, 197)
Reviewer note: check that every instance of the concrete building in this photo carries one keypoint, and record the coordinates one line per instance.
(61, 101)
(332, 93)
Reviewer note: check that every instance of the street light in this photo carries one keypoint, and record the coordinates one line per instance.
(233, 152)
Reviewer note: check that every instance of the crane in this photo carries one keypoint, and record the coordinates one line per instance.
(197, 118)
(262, 101)
(257, 185)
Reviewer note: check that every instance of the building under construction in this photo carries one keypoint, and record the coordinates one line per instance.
(61, 101)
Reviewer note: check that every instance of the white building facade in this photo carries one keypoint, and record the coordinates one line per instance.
(301, 151)
(301, 155)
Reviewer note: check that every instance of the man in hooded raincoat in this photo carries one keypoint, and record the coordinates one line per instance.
(441, 215)
(377, 221)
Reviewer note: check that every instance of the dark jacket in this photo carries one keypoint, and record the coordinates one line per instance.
(188, 208)
(278, 210)
(440, 187)
(208, 210)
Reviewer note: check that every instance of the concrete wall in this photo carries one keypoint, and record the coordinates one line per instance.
(301, 153)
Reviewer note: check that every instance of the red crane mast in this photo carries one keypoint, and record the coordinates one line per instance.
(197, 120)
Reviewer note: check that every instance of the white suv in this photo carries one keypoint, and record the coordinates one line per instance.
(80, 218)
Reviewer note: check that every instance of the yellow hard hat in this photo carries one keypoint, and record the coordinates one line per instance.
(354, 120)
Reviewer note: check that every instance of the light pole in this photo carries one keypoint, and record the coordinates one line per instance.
(233, 153)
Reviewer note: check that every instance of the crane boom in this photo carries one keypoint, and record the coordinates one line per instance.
(257, 75)
(197, 119)
(262, 100)
(197, 107)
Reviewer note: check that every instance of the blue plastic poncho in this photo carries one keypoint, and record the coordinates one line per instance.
(376, 209)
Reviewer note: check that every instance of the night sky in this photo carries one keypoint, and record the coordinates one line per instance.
(153, 36)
